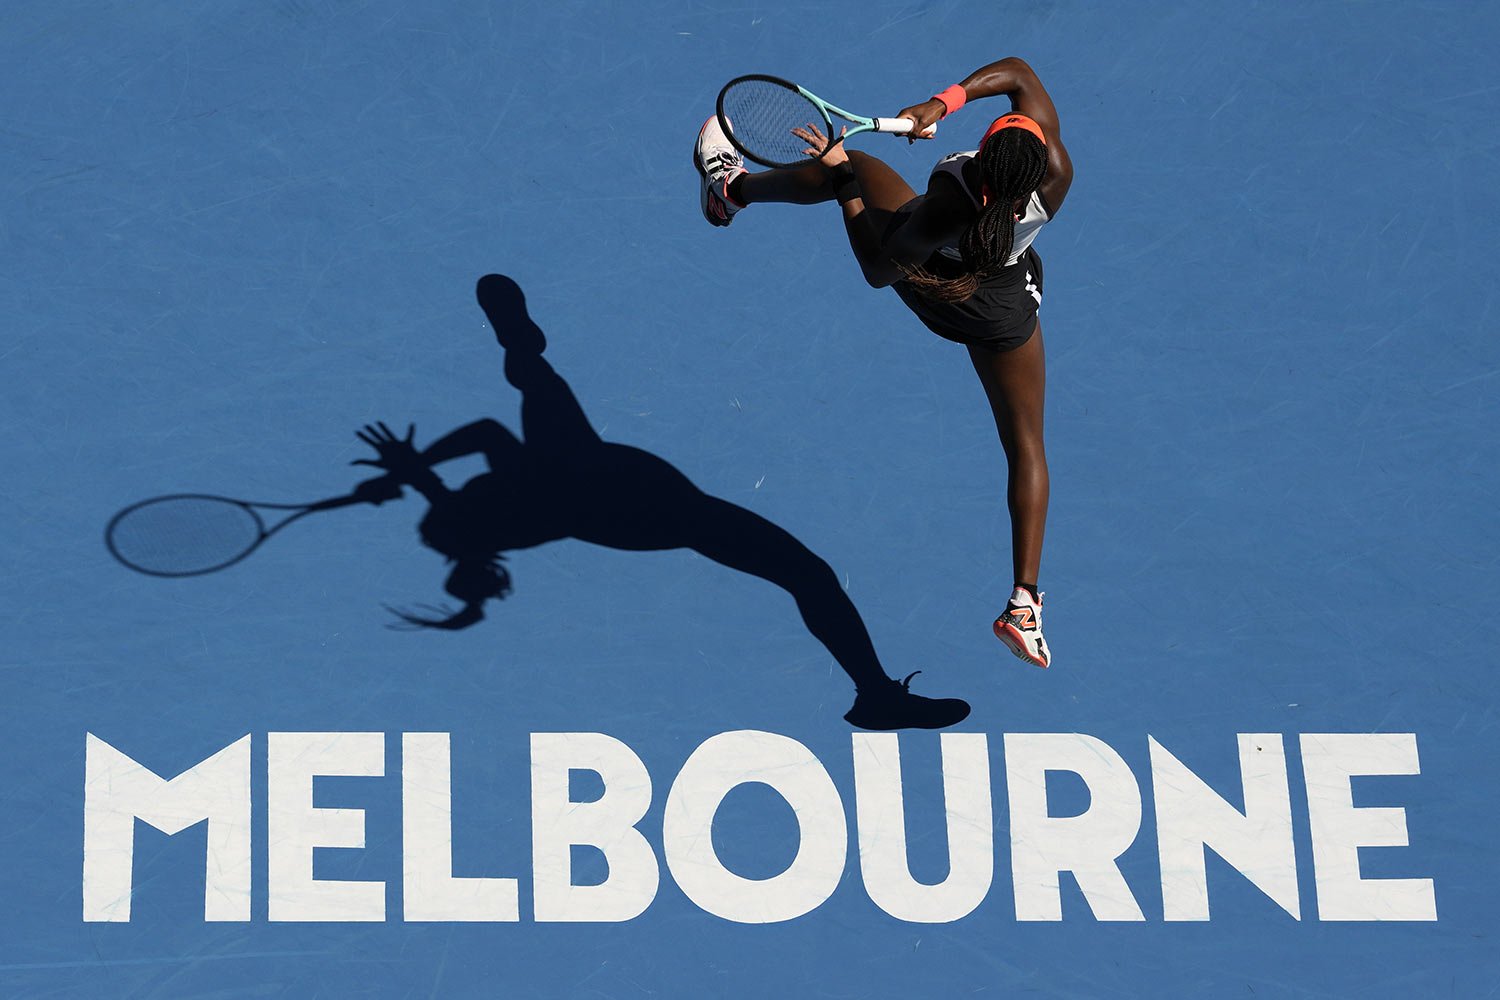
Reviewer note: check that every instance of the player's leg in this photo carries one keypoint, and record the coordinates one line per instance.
(727, 186)
(551, 417)
(881, 187)
(742, 540)
(1015, 383)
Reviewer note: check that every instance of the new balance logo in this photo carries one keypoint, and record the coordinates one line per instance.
(1023, 618)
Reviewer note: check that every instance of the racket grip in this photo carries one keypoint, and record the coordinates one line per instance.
(902, 126)
(334, 503)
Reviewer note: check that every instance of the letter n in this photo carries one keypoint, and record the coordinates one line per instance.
(1191, 818)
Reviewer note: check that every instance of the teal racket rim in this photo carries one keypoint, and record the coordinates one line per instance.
(758, 112)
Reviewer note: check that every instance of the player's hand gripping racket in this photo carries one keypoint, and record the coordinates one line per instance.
(758, 114)
(191, 533)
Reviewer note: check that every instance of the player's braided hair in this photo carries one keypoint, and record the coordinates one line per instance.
(1012, 163)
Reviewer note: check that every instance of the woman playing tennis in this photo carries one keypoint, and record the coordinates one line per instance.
(960, 257)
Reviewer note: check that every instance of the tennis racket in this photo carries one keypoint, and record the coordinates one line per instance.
(187, 534)
(758, 113)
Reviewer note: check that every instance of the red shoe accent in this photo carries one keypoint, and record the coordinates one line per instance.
(724, 191)
(1016, 642)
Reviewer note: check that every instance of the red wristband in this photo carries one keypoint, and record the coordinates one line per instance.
(953, 98)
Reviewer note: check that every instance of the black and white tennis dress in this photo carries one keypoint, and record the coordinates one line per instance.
(1001, 314)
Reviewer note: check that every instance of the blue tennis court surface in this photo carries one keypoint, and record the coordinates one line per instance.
(235, 234)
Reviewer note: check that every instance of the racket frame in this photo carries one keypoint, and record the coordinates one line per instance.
(859, 123)
(247, 506)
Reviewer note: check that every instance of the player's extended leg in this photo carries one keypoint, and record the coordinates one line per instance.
(742, 540)
(728, 187)
(881, 188)
(551, 418)
(1015, 383)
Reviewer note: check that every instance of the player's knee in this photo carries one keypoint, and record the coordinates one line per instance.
(526, 369)
(803, 573)
(815, 574)
(1023, 440)
(1030, 454)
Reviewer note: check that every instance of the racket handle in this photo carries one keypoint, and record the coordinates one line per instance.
(902, 126)
(334, 503)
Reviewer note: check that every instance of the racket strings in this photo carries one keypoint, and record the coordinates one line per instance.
(760, 116)
(179, 536)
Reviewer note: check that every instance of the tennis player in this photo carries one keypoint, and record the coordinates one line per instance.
(960, 257)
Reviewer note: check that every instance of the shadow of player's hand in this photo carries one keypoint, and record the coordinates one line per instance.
(398, 456)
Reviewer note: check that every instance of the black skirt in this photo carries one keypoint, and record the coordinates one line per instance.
(999, 316)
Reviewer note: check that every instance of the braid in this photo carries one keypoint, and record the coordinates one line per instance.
(1012, 164)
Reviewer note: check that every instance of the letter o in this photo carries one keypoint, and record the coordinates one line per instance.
(720, 764)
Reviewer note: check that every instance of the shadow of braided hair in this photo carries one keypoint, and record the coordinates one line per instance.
(1012, 163)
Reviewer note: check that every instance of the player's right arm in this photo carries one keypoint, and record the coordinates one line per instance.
(1012, 77)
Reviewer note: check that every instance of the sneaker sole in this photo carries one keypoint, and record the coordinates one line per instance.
(891, 724)
(1016, 643)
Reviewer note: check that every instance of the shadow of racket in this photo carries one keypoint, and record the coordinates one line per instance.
(188, 534)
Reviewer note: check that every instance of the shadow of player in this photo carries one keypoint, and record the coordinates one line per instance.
(561, 480)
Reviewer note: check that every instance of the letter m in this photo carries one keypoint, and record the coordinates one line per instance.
(118, 791)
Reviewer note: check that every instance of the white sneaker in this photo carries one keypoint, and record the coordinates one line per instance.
(719, 163)
(1020, 627)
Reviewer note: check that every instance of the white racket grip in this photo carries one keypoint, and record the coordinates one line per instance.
(902, 126)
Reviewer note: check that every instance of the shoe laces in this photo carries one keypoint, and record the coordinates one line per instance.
(905, 682)
(722, 160)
